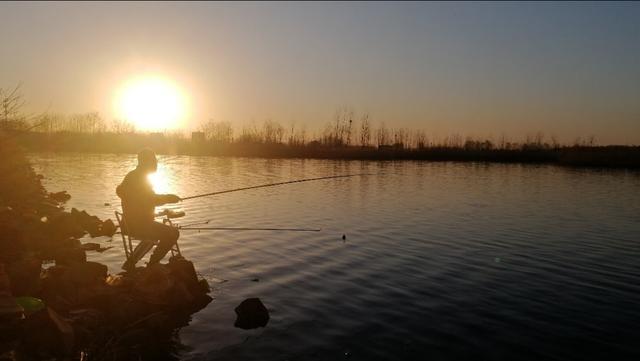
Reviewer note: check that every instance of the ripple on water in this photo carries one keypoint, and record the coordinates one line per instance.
(441, 261)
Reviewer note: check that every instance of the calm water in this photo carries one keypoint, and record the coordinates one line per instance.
(442, 261)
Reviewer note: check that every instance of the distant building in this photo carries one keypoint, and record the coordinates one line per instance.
(197, 137)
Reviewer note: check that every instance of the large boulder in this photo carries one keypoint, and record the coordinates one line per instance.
(153, 285)
(108, 228)
(184, 272)
(251, 314)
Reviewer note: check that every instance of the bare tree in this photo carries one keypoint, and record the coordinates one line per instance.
(120, 126)
(12, 102)
(279, 134)
(341, 131)
(272, 132)
(420, 139)
(502, 143)
(220, 132)
(365, 130)
(348, 127)
(250, 134)
(382, 135)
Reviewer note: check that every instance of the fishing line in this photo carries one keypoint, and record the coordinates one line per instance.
(248, 229)
(271, 185)
(197, 223)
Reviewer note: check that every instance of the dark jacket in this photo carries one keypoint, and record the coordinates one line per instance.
(138, 200)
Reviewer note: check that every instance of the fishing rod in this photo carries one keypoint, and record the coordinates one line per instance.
(248, 229)
(170, 214)
(271, 185)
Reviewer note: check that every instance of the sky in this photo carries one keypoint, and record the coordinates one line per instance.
(475, 69)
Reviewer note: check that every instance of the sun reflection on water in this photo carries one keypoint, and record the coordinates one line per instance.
(160, 181)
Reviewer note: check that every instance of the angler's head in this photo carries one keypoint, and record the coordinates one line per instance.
(147, 160)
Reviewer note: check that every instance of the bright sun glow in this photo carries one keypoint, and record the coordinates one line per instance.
(160, 181)
(151, 103)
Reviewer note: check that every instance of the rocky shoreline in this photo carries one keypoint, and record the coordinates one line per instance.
(54, 304)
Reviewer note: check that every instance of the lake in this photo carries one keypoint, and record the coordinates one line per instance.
(440, 261)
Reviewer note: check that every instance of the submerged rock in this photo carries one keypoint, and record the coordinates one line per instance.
(90, 246)
(60, 197)
(251, 314)
(108, 228)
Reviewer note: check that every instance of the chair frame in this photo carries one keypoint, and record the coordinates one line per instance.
(127, 239)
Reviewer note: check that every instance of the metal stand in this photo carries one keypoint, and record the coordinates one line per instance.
(127, 239)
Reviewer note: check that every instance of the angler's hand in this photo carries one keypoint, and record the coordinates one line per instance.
(172, 198)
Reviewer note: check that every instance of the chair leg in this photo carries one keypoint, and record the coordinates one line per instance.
(124, 244)
(138, 253)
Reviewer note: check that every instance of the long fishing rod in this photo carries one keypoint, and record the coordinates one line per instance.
(270, 185)
(248, 229)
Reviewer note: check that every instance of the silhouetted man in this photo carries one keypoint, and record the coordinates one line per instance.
(138, 208)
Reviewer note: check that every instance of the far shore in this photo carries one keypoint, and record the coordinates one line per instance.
(612, 156)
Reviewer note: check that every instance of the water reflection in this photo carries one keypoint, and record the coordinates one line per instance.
(417, 276)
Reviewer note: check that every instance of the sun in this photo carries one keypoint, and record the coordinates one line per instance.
(151, 103)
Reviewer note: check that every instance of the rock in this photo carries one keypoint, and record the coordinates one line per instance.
(10, 310)
(251, 314)
(88, 324)
(48, 334)
(188, 291)
(102, 249)
(70, 243)
(58, 290)
(108, 228)
(5, 282)
(68, 256)
(65, 225)
(90, 246)
(25, 276)
(89, 223)
(204, 286)
(153, 285)
(87, 273)
(12, 240)
(185, 272)
(60, 197)
(98, 296)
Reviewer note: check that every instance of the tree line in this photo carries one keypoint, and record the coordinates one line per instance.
(346, 129)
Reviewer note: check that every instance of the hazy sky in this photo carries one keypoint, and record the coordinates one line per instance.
(566, 69)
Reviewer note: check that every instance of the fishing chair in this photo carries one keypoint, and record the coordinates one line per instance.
(128, 240)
